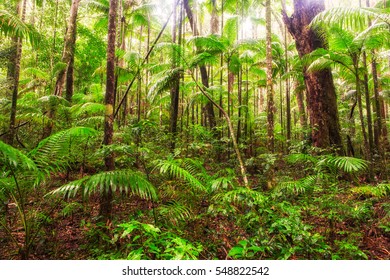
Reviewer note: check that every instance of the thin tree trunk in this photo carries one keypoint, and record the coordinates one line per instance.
(109, 160)
(14, 74)
(288, 98)
(239, 97)
(270, 93)
(208, 109)
(174, 107)
(301, 106)
(69, 87)
(68, 51)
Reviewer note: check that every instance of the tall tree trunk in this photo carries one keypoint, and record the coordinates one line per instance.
(288, 97)
(69, 86)
(208, 109)
(68, 51)
(301, 106)
(320, 90)
(270, 93)
(368, 107)
(14, 73)
(106, 198)
(239, 99)
(174, 107)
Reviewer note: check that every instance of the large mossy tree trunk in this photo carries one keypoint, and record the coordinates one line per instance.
(106, 198)
(320, 90)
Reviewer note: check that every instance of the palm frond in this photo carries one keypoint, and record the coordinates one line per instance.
(9, 156)
(379, 191)
(297, 187)
(373, 37)
(89, 108)
(230, 29)
(173, 168)
(174, 212)
(123, 181)
(346, 164)
(301, 158)
(99, 5)
(241, 197)
(11, 25)
(212, 43)
(202, 59)
(350, 17)
(53, 151)
(164, 82)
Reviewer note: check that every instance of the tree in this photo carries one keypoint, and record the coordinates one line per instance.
(109, 160)
(320, 90)
(14, 73)
(210, 115)
(68, 52)
(270, 94)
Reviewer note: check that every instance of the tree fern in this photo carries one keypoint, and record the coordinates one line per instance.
(123, 181)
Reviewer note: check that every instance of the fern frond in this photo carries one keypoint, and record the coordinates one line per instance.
(123, 181)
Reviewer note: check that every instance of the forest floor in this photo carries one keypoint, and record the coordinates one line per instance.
(69, 236)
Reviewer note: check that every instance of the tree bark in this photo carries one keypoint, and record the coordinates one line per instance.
(320, 90)
(106, 198)
(68, 52)
(270, 93)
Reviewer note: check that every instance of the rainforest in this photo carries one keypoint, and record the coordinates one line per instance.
(194, 129)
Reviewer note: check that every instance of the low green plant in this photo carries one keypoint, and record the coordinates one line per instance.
(135, 241)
